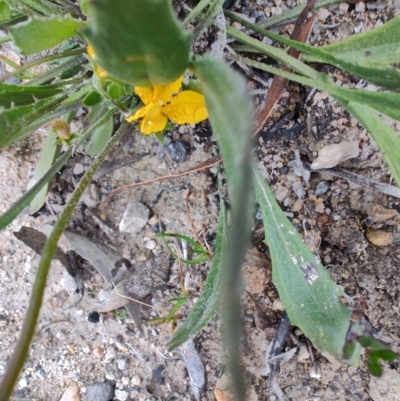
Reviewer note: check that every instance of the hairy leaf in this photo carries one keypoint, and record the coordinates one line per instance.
(310, 297)
(230, 115)
(142, 44)
(38, 34)
(16, 95)
(14, 123)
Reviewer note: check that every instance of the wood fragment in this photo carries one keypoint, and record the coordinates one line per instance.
(300, 33)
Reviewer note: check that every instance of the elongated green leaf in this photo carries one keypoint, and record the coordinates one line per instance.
(208, 303)
(386, 138)
(230, 115)
(378, 69)
(310, 297)
(380, 45)
(5, 12)
(16, 95)
(100, 138)
(40, 34)
(142, 44)
(14, 122)
(50, 152)
(385, 102)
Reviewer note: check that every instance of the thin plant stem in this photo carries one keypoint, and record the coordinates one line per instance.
(28, 329)
(196, 12)
(275, 53)
(39, 61)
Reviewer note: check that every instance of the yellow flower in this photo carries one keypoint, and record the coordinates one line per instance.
(101, 72)
(187, 107)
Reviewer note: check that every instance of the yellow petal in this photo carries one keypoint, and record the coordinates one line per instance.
(154, 120)
(101, 72)
(140, 113)
(186, 108)
(91, 52)
(146, 94)
(163, 93)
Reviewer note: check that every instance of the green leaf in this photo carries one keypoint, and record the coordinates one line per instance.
(373, 364)
(310, 297)
(231, 116)
(378, 46)
(5, 12)
(208, 303)
(115, 91)
(50, 152)
(385, 102)
(14, 123)
(100, 138)
(376, 50)
(16, 95)
(142, 44)
(40, 34)
(92, 98)
(197, 248)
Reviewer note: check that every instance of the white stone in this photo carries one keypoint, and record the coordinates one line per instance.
(360, 7)
(135, 218)
(332, 155)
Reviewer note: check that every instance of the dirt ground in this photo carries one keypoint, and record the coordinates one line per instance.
(354, 230)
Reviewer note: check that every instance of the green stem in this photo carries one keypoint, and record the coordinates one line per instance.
(45, 59)
(66, 82)
(196, 12)
(28, 329)
(208, 18)
(13, 65)
(277, 54)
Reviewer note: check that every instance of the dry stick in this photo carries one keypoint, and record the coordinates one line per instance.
(300, 33)
(202, 166)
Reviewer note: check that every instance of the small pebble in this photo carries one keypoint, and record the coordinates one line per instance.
(122, 364)
(360, 7)
(322, 188)
(100, 392)
(379, 237)
(111, 353)
(277, 305)
(323, 14)
(22, 383)
(303, 354)
(135, 218)
(98, 352)
(151, 244)
(79, 169)
(71, 393)
(121, 395)
(344, 8)
(178, 151)
(136, 380)
(94, 317)
(159, 227)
